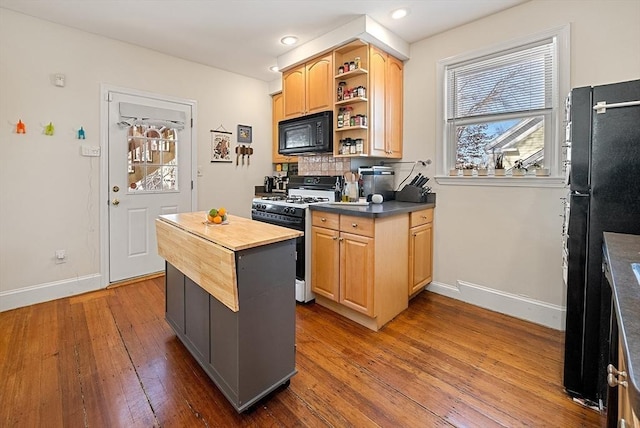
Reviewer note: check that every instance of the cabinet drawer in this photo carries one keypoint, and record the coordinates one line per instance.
(328, 220)
(358, 225)
(421, 217)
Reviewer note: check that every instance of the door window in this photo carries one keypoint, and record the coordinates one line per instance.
(152, 159)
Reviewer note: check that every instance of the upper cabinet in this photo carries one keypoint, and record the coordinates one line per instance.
(385, 81)
(363, 85)
(308, 88)
(277, 110)
(368, 119)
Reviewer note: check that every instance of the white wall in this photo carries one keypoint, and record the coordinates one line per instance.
(49, 193)
(500, 247)
(503, 244)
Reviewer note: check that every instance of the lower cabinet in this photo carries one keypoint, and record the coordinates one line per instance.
(420, 250)
(359, 266)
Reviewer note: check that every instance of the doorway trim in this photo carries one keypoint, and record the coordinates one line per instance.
(105, 90)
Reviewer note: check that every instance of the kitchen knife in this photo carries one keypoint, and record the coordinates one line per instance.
(415, 179)
(422, 181)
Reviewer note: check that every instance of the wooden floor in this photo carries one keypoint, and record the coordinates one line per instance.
(108, 359)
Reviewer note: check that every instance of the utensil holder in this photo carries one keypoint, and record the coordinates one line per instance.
(410, 193)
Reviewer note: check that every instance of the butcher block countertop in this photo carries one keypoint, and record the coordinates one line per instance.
(239, 234)
(206, 253)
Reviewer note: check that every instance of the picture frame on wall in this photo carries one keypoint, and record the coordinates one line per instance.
(244, 134)
(220, 145)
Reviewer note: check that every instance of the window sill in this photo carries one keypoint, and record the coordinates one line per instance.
(505, 181)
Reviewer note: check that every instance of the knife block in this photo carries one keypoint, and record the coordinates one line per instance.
(410, 193)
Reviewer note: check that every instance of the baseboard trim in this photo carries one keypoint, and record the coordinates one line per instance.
(525, 308)
(49, 291)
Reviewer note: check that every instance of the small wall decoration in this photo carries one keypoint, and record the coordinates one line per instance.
(49, 129)
(220, 145)
(244, 134)
(81, 134)
(21, 128)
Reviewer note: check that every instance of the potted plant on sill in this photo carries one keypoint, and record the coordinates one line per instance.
(541, 171)
(499, 167)
(467, 170)
(482, 169)
(519, 170)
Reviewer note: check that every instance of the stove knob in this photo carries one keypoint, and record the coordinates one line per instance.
(292, 211)
(286, 210)
(264, 207)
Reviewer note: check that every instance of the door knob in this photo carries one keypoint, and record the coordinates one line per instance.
(115, 201)
(116, 189)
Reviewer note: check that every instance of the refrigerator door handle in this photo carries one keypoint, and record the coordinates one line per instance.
(602, 106)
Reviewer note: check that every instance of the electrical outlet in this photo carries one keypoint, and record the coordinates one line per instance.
(61, 256)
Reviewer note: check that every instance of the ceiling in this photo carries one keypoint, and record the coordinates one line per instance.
(243, 36)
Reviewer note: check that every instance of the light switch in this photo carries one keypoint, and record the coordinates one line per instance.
(88, 150)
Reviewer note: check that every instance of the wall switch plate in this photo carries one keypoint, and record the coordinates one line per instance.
(88, 150)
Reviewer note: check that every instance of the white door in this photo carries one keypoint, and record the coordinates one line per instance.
(149, 147)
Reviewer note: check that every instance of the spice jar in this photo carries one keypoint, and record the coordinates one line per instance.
(357, 61)
(359, 145)
(340, 118)
(341, 87)
(346, 67)
(341, 69)
(361, 91)
(346, 116)
(352, 66)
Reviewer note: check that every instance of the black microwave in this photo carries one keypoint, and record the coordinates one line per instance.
(308, 134)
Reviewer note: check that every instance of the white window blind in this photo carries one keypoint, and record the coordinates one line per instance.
(514, 81)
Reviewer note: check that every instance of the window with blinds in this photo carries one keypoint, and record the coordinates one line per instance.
(501, 104)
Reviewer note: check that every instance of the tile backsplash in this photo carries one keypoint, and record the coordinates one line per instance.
(323, 165)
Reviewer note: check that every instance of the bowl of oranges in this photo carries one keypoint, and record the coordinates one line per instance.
(217, 216)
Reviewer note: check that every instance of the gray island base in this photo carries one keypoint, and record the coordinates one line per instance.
(250, 352)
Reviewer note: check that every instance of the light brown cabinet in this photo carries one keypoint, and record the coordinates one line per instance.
(420, 250)
(308, 88)
(626, 416)
(359, 266)
(277, 110)
(381, 75)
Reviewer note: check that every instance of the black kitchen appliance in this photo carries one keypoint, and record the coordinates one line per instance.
(308, 134)
(268, 184)
(603, 140)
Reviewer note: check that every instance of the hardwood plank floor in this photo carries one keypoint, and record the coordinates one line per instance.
(109, 359)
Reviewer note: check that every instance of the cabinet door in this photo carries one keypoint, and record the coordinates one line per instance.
(377, 103)
(420, 257)
(197, 318)
(293, 90)
(394, 96)
(357, 272)
(174, 283)
(319, 84)
(325, 262)
(277, 111)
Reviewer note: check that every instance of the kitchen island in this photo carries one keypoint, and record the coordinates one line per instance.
(370, 260)
(230, 298)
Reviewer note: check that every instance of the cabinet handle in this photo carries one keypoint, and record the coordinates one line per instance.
(323, 219)
(334, 238)
(424, 217)
(341, 239)
(354, 224)
(613, 381)
(612, 370)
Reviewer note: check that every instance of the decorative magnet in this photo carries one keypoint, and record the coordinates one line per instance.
(81, 135)
(20, 128)
(49, 129)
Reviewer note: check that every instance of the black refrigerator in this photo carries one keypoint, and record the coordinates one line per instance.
(604, 196)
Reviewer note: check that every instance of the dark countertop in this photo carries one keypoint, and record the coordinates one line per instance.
(621, 250)
(385, 209)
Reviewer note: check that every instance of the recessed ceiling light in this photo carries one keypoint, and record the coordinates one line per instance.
(399, 13)
(289, 40)
(274, 68)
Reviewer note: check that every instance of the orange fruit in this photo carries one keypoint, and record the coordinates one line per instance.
(222, 212)
(217, 219)
(210, 218)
